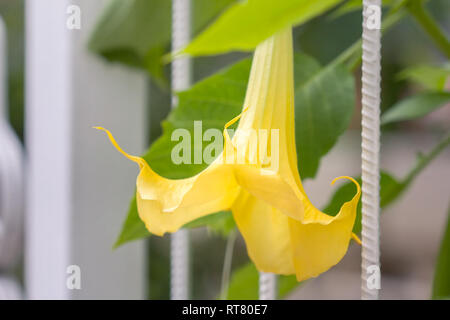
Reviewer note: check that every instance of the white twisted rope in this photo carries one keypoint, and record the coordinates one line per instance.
(371, 68)
(179, 253)
(267, 286)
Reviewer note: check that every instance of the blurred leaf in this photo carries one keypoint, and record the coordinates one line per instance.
(219, 98)
(415, 106)
(138, 32)
(205, 11)
(246, 23)
(441, 283)
(390, 189)
(244, 284)
(133, 32)
(324, 105)
(431, 77)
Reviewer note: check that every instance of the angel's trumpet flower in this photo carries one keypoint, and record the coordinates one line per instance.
(283, 231)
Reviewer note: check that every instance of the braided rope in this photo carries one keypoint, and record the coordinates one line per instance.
(371, 68)
(267, 286)
(179, 268)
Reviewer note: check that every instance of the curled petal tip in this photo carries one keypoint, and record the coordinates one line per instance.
(138, 160)
(348, 178)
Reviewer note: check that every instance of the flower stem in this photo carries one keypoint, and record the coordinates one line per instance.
(424, 160)
(352, 56)
(227, 265)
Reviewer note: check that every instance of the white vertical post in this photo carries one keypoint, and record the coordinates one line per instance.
(267, 286)
(78, 187)
(371, 68)
(181, 78)
(48, 129)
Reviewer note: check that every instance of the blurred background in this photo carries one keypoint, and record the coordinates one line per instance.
(78, 188)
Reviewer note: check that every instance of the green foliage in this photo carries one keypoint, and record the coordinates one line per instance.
(246, 23)
(324, 106)
(390, 189)
(138, 32)
(134, 33)
(431, 77)
(441, 283)
(220, 222)
(133, 228)
(415, 107)
(244, 284)
(219, 98)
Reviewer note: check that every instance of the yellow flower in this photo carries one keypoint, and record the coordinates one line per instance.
(283, 231)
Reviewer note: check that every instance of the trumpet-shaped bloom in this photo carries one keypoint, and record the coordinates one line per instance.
(283, 231)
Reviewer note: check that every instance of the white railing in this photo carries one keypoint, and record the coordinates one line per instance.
(78, 187)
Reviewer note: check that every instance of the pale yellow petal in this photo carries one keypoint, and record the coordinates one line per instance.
(166, 205)
(266, 234)
(320, 241)
(270, 188)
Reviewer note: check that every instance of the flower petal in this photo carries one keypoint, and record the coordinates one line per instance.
(271, 188)
(320, 241)
(266, 234)
(166, 205)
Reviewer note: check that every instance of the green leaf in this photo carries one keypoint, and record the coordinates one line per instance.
(246, 23)
(431, 77)
(321, 116)
(324, 105)
(390, 189)
(138, 32)
(133, 32)
(215, 101)
(441, 283)
(244, 284)
(133, 228)
(415, 106)
(220, 222)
